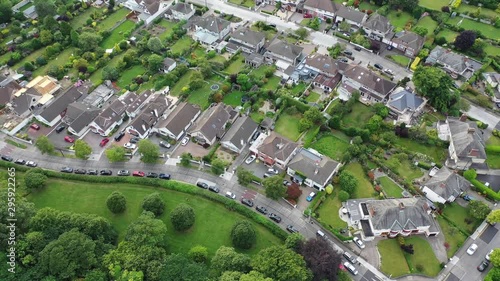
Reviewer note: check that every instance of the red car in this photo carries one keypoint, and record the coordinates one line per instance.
(308, 16)
(35, 126)
(104, 141)
(69, 139)
(138, 174)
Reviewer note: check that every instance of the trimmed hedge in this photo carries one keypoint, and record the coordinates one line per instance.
(486, 190)
(302, 107)
(424, 165)
(171, 185)
(493, 149)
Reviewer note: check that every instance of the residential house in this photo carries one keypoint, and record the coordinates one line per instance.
(182, 11)
(467, 145)
(317, 169)
(324, 69)
(136, 102)
(239, 135)
(143, 124)
(274, 149)
(379, 28)
(212, 124)
(456, 65)
(52, 113)
(176, 124)
(254, 60)
(37, 93)
(147, 10)
(320, 8)
(168, 65)
(211, 29)
(111, 117)
(349, 15)
(392, 217)
(8, 87)
(246, 40)
(493, 79)
(283, 54)
(445, 186)
(30, 13)
(372, 87)
(408, 42)
(405, 106)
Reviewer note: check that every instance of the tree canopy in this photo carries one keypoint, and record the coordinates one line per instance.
(44, 144)
(478, 209)
(89, 41)
(149, 151)
(226, 258)
(115, 153)
(274, 187)
(434, 84)
(182, 217)
(153, 203)
(494, 216)
(5, 11)
(465, 39)
(82, 149)
(116, 202)
(321, 259)
(281, 264)
(243, 235)
(45, 8)
(348, 182)
(180, 267)
(34, 179)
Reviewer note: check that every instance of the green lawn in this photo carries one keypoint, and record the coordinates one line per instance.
(182, 45)
(469, 8)
(423, 256)
(233, 98)
(244, 3)
(492, 50)
(313, 97)
(96, 77)
(25, 7)
(200, 96)
(457, 214)
(5, 58)
(400, 59)
(218, 58)
(405, 168)
(112, 19)
(433, 4)
(452, 236)
(298, 89)
(261, 70)
(487, 30)
(169, 26)
(60, 60)
(331, 146)
(129, 74)
(257, 116)
(183, 81)
(272, 83)
(493, 140)
(329, 211)
(30, 57)
(399, 21)
(236, 66)
(390, 187)
(117, 35)
(213, 221)
(448, 34)
(365, 188)
(81, 19)
(393, 261)
(438, 154)
(359, 115)
(365, 5)
(288, 126)
(428, 23)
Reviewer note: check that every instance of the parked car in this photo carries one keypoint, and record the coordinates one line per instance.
(7, 158)
(164, 176)
(388, 71)
(138, 174)
(255, 136)
(467, 197)
(202, 185)
(286, 183)
(347, 52)
(104, 141)
(35, 126)
(308, 16)
(69, 139)
(261, 209)
(273, 171)
(266, 175)
(60, 128)
(106, 172)
(152, 175)
(129, 146)
(291, 229)
(80, 171)
(311, 196)
(378, 66)
(31, 164)
(230, 195)
(350, 258)
(184, 141)
(342, 59)
(250, 159)
(483, 265)
(357, 48)
(472, 249)
(214, 189)
(389, 47)
(488, 255)
(20, 161)
(92, 172)
(123, 173)
(165, 144)
(358, 242)
(247, 202)
(134, 140)
(67, 170)
(350, 268)
(119, 136)
(275, 217)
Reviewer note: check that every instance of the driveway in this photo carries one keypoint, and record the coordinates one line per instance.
(191, 147)
(484, 116)
(493, 180)
(58, 138)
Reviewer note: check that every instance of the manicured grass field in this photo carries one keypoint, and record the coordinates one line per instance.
(487, 30)
(492, 50)
(448, 34)
(211, 229)
(359, 115)
(423, 256)
(233, 98)
(272, 83)
(112, 19)
(406, 169)
(428, 23)
(390, 187)
(331, 146)
(438, 154)
(329, 211)
(433, 4)
(470, 8)
(399, 21)
(117, 35)
(129, 74)
(313, 97)
(365, 188)
(182, 45)
(400, 59)
(236, 66)
(392, 259)
(288, 126)
(452, 236)
(457, 214)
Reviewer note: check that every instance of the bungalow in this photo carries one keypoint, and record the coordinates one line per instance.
(408, 42)
(212, 124)
(405, 105)
(372, 87)
(246, 40)
(182, 11)
(445, 186)
(379, 28)
(273, 149)
(210, 30)
(312, 168)
(283, 54)
(143, 124)
(176, 124)
(109, 118)
(239, 135)
(456, 65)
(37, 93)
(168, 65)
(147, 10)
(349, 15)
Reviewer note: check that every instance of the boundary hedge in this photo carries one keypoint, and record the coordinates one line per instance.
(486, 190)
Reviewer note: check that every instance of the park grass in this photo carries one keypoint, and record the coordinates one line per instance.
(492, 50)
(423, 256)
(390, 187)
(112, 19)
(399, 22)
(359, 115)
(129, 74)
(331, 146)
(81, 19)
(428, 23)
(117, 34)
(211, 229)
(60, 60)
(313, 97)
(438, 154)
(96, 77)
(450, 35)
(236, 65)
(176, 90)
(393, 262)
(329, 211)
(182, 45)
(400, 59)
(433, 4)
(487, 30)
(288, 126)
(233, 98)
(405, 169)
(452, 236)
(272, 83)
(364, 188)
(169, 28)
(457, 214)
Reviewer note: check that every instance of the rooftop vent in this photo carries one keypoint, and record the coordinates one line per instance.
(401, 205)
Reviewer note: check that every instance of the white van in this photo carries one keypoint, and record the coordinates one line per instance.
(320, 233)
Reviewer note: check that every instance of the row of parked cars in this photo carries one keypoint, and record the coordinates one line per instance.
(19, 161)
(485, 263)
(106, 172)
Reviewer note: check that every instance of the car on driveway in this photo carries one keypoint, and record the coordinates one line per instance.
(69, 139)
(378, 66)
(184, 141)
(67, 170)
(129, 145)
(342, 59)
(472, 249)
(291, 229)
(488, 254)
(35, 126)
(358, 242)
(165, 144)
(123, 173)
(468, 197)
(357, 48)
(311, 196)
(31, 164)
(388, 71)
(20, 161)
(134, 140)
(275, 217)
(138, 174)
(202, 185)
(247, 202)
(60, 128)
(104, 141)
(250, 159)
(106, 172)
(261, 209)
(152, 175)
(349, 53)
(230, 195)
(80, 171)
(214, 189)
(120, 136)
(483, 265)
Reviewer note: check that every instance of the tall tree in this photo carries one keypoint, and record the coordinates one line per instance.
(154, 204)
(478, 209)
(89, 41)
(218, 166)
(24, 212)
(110, 73)
(179, 267)
(302, 32)
(115, 153)
(281, 264)
(147, 231)
(227, 259)
(434, 84)
(116, 202)
(243, 235)
(348, 182)
(465, 40)
(155, 45)
(182, 217)
(34, 179)
(494, 216)
(75, 38)
(44, 144)
(5, 11)
(244, 176)
(199, 254)
(154, 63)
(495, 257)
(420, 30)
(274, 187)
(82, 149)
(150, 151)
(294, 241)
(45, 8)
(321, 259)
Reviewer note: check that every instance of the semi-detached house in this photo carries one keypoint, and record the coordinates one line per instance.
(176, 124)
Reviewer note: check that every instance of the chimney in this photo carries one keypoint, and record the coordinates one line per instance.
(316, 169)
(463, 118)
(242, 142)
(471, 130)
(401, 205)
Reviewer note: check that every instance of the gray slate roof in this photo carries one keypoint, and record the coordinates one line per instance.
(150, 115)
(379, 23)
(240, 132)
(326, 64)
(325, 5)
(80, 115)
(182, 8)
(349, 13)
(168, 62)
(409, 39)
(111, 114)
(60, 104)
(447, 183)
(136, 101)
(285, 49)
(369, 79)
(399, 214)
(466, 138)
(404, 99)
(179, 118)
(457, 62)
(7, 89)
(213, 24)
(277, 146)
(248, 36)
(314, 167)
(213, 121)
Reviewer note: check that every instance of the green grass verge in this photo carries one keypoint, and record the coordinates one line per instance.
(393, 261)
(117, 35)
(359, 115)
(213, 221)
(457, 214)
(328, 211)
(438, 154)
(331, 146)
(400, 59)
(487, 30)
(233, 98)
(452, 236)
(288, 126)
(365, 187)
(313, 97)
(236, 66)
(16, 144)
(129, 74)
(390, 187)
(112, 19)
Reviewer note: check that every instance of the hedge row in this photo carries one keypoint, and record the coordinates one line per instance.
(486, 190)
(424, 165)
(302, 107)
(467, 234)
(493, 149)
(171, 185)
